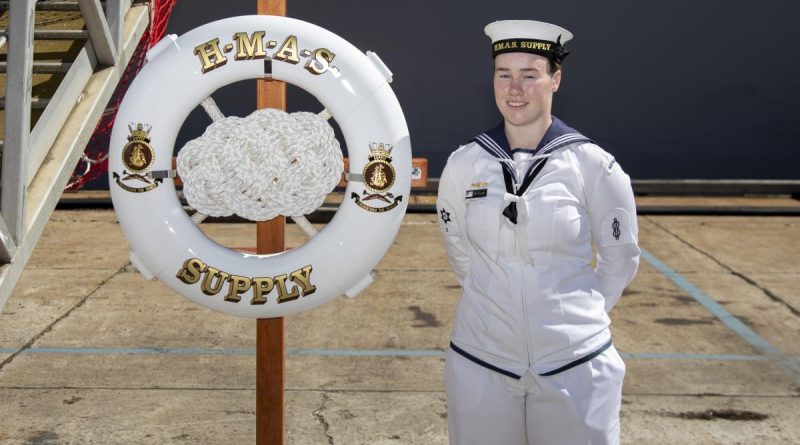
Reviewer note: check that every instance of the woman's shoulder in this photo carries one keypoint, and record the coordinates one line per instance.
(589, 153)
(466, 154)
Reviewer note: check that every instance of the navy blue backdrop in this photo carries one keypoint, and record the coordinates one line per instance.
(679, 89)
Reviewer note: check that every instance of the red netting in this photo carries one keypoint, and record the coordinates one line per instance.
(94, 161)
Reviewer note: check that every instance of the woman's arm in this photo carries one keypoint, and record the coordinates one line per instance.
(615, 231)
(451, 213)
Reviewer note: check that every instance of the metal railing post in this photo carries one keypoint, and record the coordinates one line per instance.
(100, 35)
(115, 14)
(19, 79)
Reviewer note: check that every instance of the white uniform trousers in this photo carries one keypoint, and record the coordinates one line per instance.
(579, 406)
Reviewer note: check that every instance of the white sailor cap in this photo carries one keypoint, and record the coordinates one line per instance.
(528, 36)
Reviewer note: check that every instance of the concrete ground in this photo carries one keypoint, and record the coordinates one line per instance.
(92, 353)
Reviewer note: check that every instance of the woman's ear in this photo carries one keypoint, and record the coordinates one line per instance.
(556, 80)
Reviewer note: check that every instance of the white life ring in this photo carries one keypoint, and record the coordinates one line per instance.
(165, 242)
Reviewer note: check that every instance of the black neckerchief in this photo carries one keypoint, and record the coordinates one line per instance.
(495, 143)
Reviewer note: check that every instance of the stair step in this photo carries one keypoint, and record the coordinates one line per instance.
(36, 103)
(43, 67)
(55, 34)
(48, 5)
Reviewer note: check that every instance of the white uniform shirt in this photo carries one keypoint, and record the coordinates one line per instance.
(531, 298)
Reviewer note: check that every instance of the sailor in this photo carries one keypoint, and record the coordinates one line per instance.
(520, 206)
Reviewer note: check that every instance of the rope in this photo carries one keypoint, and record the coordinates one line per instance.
(267, 164)
(304, 224)
(212, 109)
(198, 217)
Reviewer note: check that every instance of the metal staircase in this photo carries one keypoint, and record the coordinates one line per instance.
(38, 159)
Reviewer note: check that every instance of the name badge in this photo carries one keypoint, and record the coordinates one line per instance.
(476, 193)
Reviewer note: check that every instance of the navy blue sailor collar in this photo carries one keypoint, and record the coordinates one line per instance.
(496, 142)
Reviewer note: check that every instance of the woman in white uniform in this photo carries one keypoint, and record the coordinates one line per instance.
(520, 207)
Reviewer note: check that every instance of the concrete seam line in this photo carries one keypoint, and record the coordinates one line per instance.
(52, 324)
(713, 306)
(231, 351)
(366, 353)
(726, 317)
(772, 296)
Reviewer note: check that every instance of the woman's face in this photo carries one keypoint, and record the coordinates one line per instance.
(523, 88)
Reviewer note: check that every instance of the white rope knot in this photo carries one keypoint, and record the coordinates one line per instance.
(510, 197)
(267, 164)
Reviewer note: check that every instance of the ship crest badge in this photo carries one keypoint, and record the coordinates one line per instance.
(379, 176)
(137, 157)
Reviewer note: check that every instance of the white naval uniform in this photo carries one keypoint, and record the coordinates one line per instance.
(532, 303)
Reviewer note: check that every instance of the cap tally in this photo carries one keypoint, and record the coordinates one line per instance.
(528, 36)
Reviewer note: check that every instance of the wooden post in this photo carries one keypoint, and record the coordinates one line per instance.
(270, 332)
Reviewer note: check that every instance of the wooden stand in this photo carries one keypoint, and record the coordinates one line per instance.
(270, 332)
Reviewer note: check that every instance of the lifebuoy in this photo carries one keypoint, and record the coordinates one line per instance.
(165, 242)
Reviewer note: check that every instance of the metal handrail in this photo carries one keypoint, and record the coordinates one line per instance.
(37, 162)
